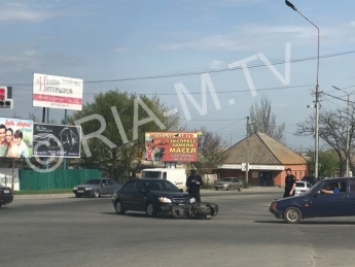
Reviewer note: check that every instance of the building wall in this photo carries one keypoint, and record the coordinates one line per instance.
(297, 170)
(264, 177)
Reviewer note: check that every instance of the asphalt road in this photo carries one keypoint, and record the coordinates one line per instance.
(65, 231)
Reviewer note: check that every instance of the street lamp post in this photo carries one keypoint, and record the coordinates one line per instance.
(316, 148)
(347, 131)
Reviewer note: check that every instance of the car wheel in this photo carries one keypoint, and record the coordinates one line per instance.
(97, 194)
(150, 210)
(77, 195)
(228, 187)
(0, 205)
(216, 188)
(239, 189)
(118, 208)
(292, 215)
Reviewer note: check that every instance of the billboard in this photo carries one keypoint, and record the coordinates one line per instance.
(57, 92)
(171, 146)
(16, 137)
(60, 141)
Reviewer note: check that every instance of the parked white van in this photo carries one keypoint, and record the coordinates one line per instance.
(176, 176)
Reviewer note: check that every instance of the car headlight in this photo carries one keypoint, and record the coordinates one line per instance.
(75, 188)
(192, 200)
(164, 200)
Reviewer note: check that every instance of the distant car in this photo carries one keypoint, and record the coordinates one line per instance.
(322, 200)
(96, 188)
(302, 187)
(6, 195)
(228, 183)
(159, 197)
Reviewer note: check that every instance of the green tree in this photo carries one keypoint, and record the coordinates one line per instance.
(328, 162)
(264, 121)
(124, 119)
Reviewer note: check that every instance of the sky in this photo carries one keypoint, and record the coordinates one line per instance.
(208, 60)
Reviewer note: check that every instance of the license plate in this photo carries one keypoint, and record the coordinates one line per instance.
(6, 191)
(80, 191)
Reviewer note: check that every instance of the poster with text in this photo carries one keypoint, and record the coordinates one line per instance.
(171, 146)
(60, 141)
(16, 138)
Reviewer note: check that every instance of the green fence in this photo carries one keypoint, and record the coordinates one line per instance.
(57, 179)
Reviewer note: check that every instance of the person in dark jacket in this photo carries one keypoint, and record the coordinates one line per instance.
(290, 184)
(194, 182)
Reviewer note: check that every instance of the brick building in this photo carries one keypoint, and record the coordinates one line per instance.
(267, 160)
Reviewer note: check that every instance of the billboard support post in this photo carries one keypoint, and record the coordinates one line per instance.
(65, 123)
(13, 175)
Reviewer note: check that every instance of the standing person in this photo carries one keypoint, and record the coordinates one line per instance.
(290, 183)
(194, 182)
(3, 143)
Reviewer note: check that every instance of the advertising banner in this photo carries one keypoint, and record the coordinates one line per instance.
(59, 141)
(171, 146)
(16, 138)
(57, 92)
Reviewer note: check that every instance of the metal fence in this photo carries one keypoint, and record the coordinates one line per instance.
(57, 179)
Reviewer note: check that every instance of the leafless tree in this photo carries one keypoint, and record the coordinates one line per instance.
(211, 148)
(264, 121)
(336, 128)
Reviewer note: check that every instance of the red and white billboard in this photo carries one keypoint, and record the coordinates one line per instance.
(171, 146)
(57, 92)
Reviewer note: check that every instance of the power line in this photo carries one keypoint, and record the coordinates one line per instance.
(192, 73)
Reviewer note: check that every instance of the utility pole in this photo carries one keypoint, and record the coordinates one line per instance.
(247, 153)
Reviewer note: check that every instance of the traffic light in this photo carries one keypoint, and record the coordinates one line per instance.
(6, 97)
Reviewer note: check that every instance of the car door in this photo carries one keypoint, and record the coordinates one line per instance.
(351, 193)
(325, 205)
(126, 195)
(140, 195)
(233, 184)
(111, 186)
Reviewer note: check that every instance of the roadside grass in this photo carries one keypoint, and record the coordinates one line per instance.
(43, 192)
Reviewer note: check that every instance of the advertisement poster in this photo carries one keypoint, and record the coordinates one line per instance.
(57, 92)
(16, 138)
(60, 141)
(171, 146)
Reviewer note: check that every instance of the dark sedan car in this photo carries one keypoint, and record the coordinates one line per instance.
(327, 198)
(96, 187)
(6, 195)
(149, 195)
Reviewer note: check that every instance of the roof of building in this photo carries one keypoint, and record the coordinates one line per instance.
(259, 148)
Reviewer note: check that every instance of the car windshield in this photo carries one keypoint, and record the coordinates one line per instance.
(161, 185)
(93, 181)
(315, 187)
(227, 179)
(152, 174)
(300, 184)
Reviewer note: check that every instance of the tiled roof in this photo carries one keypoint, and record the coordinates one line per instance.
(262, 149)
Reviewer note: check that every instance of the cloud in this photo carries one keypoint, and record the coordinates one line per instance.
(242, 38)
(16, 11)
(217, 64)
(260, 37)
